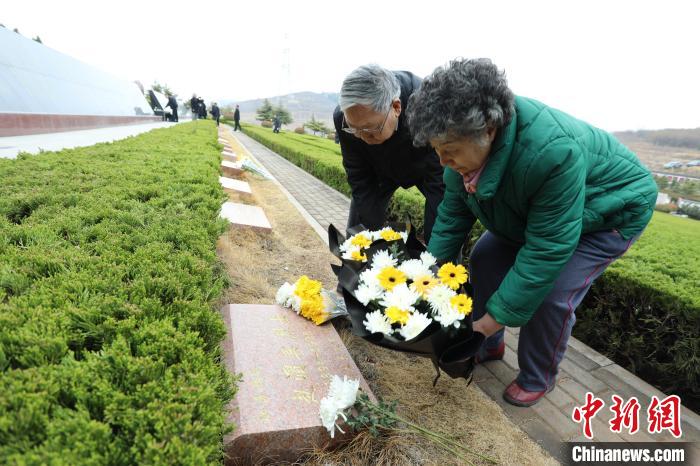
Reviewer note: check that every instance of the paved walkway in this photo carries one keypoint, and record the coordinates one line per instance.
(583, 369)
(34, 143)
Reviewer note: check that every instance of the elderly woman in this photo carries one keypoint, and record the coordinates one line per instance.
(560, 200)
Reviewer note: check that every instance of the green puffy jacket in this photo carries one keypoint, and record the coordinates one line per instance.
(549, 178)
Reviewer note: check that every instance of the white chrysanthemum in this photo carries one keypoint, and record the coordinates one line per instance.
(329, 412)
(383, 259)
(341, 395)
(400, 296)
(417, 322)
(344, 391)
(439, 298)
(448, 316)
(296, 303)
(415, 268)
(369, 278)
(366, 293)
(428, 259)
(376, 234)
(377, 322)
(347, 244)
(284, 295)
(404, 236)
(349, 250)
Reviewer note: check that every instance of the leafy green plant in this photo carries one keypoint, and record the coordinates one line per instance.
(109, 336)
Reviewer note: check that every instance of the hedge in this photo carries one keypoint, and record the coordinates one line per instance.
(109, 336)
(644, 312)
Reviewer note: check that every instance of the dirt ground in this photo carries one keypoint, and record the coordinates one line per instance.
(463, 412)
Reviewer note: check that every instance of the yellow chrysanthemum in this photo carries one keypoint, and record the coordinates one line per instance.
(390, 235)
(423, 284)
(361, 240)
(307, 288)
(358, 256)
(389, 277)
(314, 310)
(462, 303)
(396, 315)
(452, 275)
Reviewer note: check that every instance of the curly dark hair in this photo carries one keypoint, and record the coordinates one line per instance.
(461, 99)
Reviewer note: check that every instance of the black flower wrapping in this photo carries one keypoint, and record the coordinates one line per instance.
(450, 349)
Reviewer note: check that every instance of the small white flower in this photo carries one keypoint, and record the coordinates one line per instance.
(428, 259)
(296, 303)
(404, 236)
(417, 322)
(439, 298)
(366, 293)
(449, 316)
(344, 391)
(284, 295)
(377, 322)
(349, 250)
(346, 245)
(414, 268)
(341, 396)
(401, 296)
(328, 411)
(369, 278)
(383, 259)
(376, 234)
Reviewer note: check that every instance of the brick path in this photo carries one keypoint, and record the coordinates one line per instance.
(583, 369)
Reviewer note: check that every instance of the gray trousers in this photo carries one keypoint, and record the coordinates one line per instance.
(543, 339)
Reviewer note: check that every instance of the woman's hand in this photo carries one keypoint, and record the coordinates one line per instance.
(487, 325)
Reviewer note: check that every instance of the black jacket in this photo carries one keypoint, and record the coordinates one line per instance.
(215, 111)
(396, 161)
(236, 115)
(172, 103)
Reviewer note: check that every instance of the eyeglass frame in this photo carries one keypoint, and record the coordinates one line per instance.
(359, 131)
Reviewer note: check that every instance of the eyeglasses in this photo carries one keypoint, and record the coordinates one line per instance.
(359, 132)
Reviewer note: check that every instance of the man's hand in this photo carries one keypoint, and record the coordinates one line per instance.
(487, 325)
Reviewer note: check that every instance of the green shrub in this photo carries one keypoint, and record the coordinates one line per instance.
(644, 312)
(299, 130)
(109, 339)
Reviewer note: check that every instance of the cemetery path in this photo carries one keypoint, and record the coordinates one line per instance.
(583, 370)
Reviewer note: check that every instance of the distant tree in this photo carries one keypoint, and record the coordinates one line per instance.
(284, 114)
(316, 126)
(265, 111)
(162, 88)
(37, 39)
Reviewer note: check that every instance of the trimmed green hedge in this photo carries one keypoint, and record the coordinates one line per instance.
(644, 312)
(109, 336)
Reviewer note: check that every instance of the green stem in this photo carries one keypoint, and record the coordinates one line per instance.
(435, 435)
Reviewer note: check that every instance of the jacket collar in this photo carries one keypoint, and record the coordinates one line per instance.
(501, 150)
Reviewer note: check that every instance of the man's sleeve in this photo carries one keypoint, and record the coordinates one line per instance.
(551, 236)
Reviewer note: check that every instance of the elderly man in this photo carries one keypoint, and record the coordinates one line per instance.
(560, 201)
(377, 147)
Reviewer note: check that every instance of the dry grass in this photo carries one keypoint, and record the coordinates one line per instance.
(258, 263)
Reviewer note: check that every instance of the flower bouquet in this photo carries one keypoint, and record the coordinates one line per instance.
(310, 300)
(399, 298)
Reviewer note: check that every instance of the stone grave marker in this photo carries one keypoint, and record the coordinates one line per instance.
(245, 215)
(235, 185)
(231, 168)
(287, 363)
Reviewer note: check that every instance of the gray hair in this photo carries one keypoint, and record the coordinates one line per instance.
(461, 99)
(370, 85)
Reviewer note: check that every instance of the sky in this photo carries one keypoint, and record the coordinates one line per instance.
(618, 64)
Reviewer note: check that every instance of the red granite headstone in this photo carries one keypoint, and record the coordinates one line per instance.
(287, 363)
